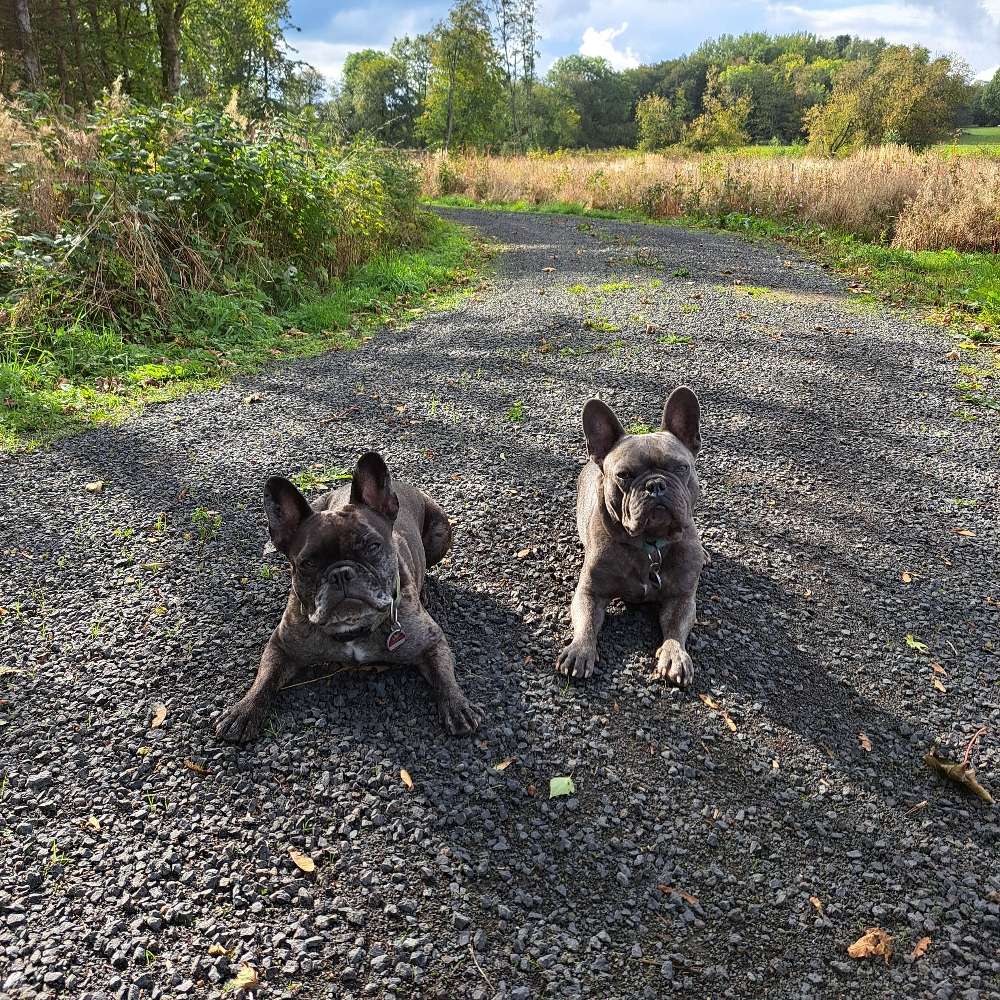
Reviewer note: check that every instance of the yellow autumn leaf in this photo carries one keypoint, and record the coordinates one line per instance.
(504, 764)
(920, 948)
(245, 979)
(159, 714)
(874, 943)
(404, 776)
(94, 823)
(217, 949)
(197, 768)
(817, 903)
(302, 861)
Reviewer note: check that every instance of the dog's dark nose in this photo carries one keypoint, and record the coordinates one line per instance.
(341, 576)
(656, 486)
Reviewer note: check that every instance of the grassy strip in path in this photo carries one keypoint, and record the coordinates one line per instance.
(58, 380)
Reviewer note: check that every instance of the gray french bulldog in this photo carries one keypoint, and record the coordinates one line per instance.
(634, 506)
(358, 556)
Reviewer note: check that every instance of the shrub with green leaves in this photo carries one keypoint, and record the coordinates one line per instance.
(193, 197)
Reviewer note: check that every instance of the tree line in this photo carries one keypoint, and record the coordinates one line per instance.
(157, 49)
(472, 80)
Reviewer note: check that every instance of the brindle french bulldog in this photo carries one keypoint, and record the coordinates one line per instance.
(634, 506)
(358, 556)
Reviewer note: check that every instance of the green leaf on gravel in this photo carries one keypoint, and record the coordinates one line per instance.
(920, 647)
(561, 786)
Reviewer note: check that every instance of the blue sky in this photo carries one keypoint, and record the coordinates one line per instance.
(628, 32)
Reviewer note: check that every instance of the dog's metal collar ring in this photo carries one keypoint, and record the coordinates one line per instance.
(654, 550)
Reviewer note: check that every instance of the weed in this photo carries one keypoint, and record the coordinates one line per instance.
(601, 324)
(639, 427)
(206, 523)
(267, 572)
(671, 339)
(318, 478)
(681, 272)
(516, 413)
(690, 307)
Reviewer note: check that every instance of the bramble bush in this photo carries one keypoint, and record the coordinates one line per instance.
(116, 219)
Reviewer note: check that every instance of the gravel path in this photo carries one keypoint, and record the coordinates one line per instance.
(833, 464)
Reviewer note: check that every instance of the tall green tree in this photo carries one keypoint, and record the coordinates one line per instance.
(904, 97)
(465, 89)
(989, 101)
(603, 98)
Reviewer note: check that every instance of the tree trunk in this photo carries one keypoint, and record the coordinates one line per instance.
(28, 51)
(57, 28)
(452, 73)
(81, 70)
(168, 30)
(102, 48)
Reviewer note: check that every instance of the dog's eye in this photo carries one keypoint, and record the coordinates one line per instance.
(372, 547)
(623, 478)
(308, 563)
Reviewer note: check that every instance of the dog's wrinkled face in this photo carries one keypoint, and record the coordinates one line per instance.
(343, 561)
(649, 481)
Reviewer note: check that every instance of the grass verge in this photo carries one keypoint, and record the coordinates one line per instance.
(65, 378)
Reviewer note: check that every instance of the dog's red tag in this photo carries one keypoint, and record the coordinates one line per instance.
(395, 639)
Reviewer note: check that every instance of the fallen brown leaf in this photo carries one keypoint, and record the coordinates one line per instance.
(964, 776)
(246, 979)
(94, 487)
(964, 532)
(874, 943)
(524, 553)
(728, 720)
(216, 950)
(817, 903)
(159, 714)
(668, 890)
(94, 823)
(938, 686)
(504, 764)
(531, 789)
(920, 948)
(710, 701)
(866, 744)
(404, 776)
(937, 668)
(906, 577)
(302, 861)
(197, 768)
(548, 270)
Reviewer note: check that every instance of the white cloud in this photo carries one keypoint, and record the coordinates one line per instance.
(602, 44)
(988, 74)
(327, 57)
(966, 28)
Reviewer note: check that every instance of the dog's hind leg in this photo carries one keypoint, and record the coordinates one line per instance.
(435, 532)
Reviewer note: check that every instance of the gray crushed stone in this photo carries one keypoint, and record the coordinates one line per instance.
(686, 862)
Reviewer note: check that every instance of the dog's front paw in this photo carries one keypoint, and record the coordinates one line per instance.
(577, 659)
(674, 664)
(241, 722)
(459, 716)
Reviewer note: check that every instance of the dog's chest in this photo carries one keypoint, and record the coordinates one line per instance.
(357, 651)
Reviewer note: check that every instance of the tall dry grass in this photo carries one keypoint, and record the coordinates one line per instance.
(916, 201)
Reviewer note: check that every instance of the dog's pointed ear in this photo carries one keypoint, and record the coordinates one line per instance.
(682, 417)
(371, 486)
(286, 510)
(602, 428)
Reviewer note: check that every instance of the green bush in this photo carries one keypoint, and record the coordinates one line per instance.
(178, 199)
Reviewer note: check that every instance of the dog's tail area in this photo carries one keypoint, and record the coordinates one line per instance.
(436, 532)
